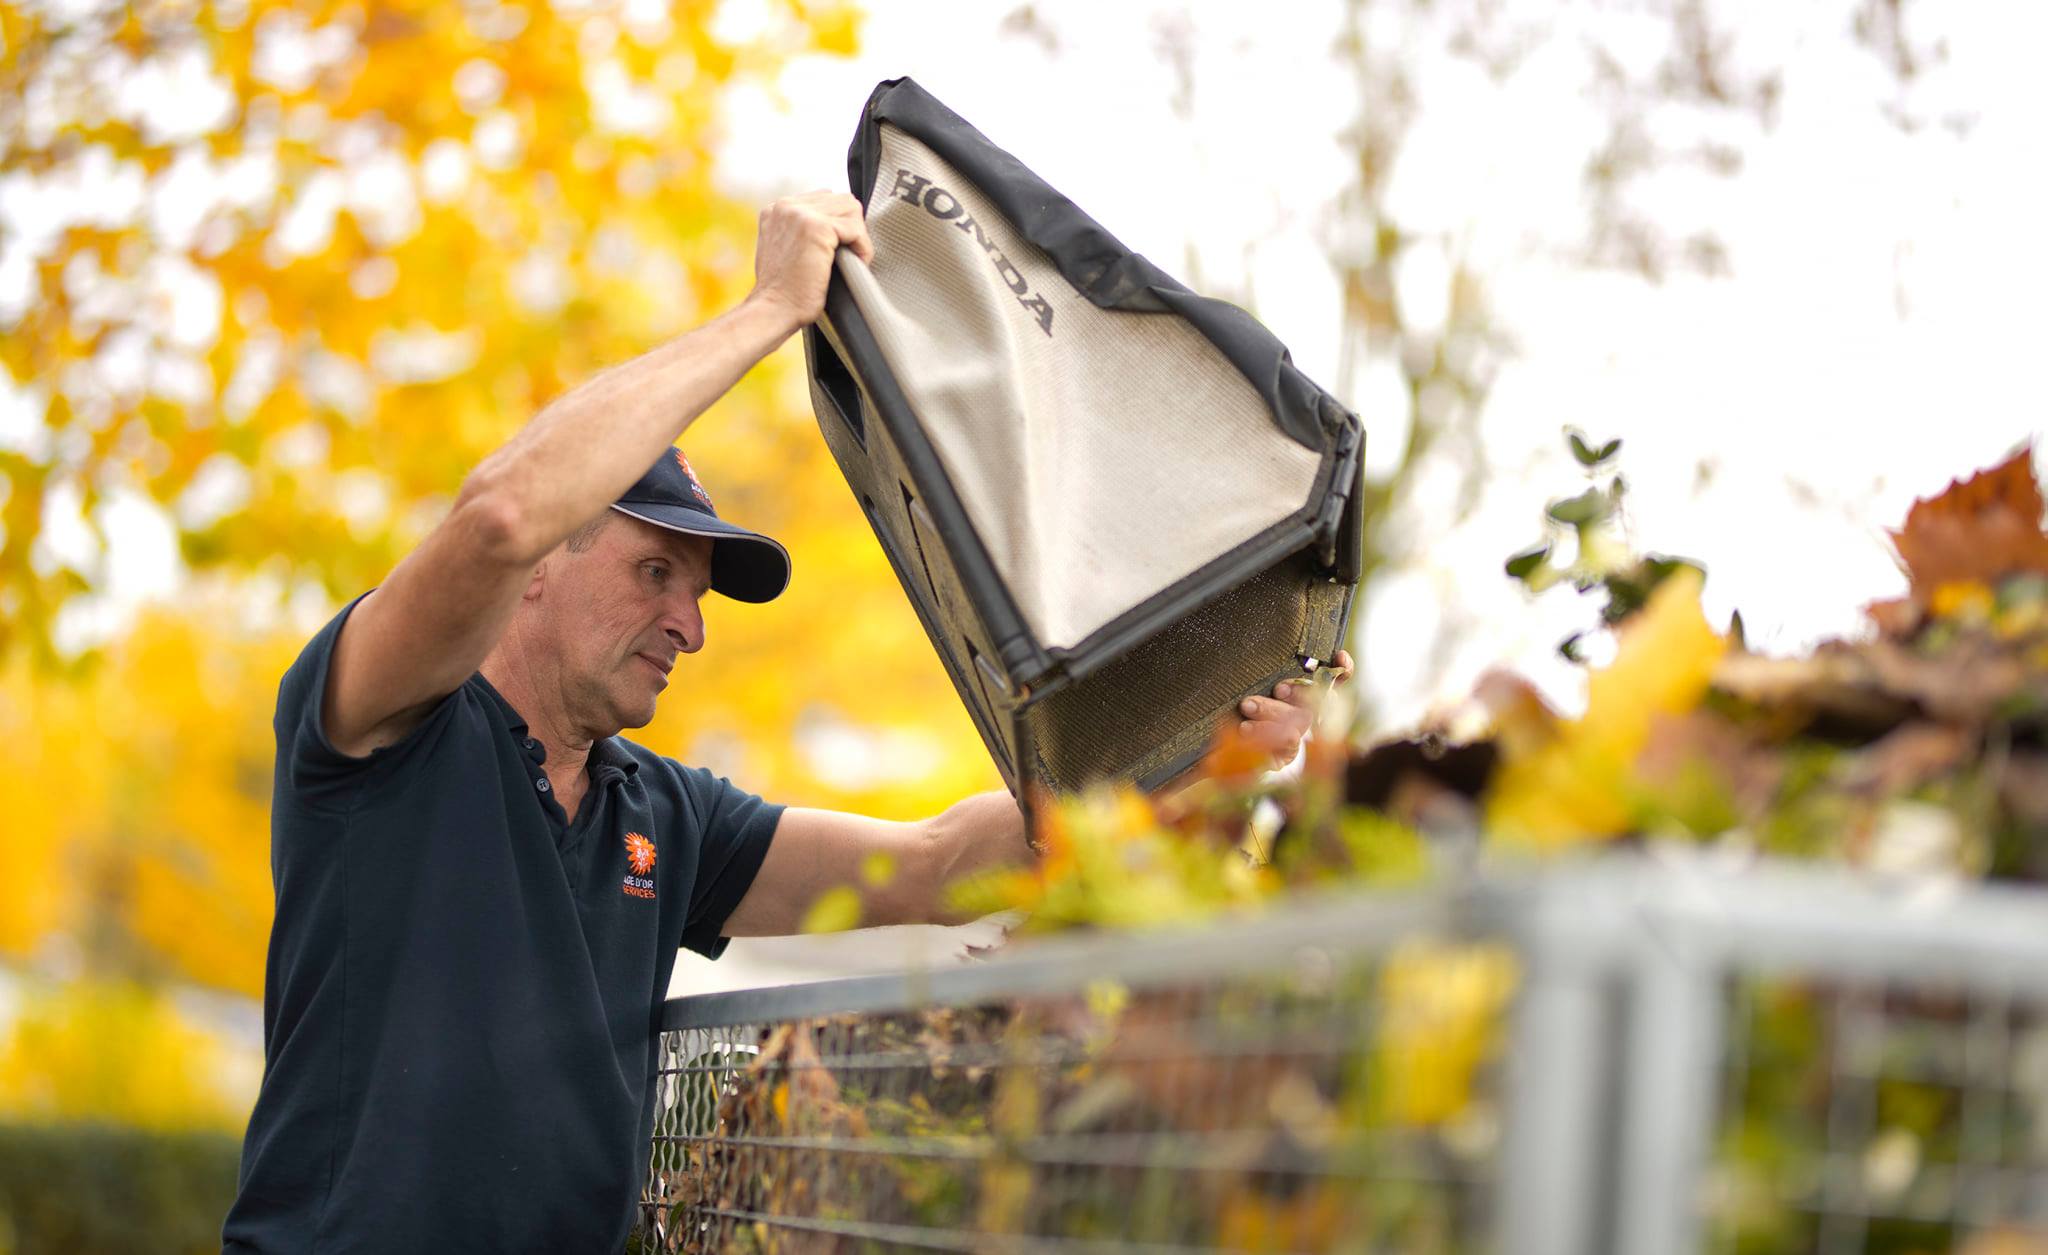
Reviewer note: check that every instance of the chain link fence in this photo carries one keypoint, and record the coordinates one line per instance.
(1619, 1057)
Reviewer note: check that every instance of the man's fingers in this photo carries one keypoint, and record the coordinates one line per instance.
(1291, 705)
(1342, 665)
(1271, 737)
(1296, 694)
(799, 236)
(854, 235)
(849, 222)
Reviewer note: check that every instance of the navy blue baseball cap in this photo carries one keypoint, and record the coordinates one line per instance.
(745, 566)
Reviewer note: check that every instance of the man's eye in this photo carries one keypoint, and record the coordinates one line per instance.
(655, 571)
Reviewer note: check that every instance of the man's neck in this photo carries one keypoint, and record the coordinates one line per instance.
(539, 702)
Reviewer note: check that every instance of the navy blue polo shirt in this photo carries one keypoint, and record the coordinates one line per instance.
(463, 987)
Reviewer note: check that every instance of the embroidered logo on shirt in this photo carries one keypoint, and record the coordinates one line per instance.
(640, 860)
(691, 476)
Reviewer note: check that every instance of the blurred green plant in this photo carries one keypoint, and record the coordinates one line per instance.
(1593, 523)
(97, 1189)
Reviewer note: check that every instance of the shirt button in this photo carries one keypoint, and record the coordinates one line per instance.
(541, 784)
(529, 742)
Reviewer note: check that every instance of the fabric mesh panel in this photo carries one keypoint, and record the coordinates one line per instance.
(1083, 514)
(1109, 725)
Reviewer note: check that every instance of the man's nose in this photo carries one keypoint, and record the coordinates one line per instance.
(685, 626)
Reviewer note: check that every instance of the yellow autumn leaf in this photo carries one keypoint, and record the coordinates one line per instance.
(1576, 786)
(1441, 1018)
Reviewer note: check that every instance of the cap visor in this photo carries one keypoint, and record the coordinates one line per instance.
(745, 565)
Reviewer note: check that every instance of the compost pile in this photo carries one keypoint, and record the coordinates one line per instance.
(1917, 749)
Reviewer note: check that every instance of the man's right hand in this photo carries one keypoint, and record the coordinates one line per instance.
(793, 259)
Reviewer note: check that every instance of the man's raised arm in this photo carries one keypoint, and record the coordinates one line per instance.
(431, 623)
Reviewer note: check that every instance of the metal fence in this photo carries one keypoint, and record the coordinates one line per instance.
(1621, 1057)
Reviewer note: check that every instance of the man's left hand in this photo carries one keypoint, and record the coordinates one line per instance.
(1278, 724)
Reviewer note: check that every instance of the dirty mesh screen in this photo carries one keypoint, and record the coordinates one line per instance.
(1106, 725)
(1101, 455)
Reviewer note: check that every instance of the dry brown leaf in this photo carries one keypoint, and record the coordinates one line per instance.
(1234, 757)
(1907, 758)
(2006, 1242)
(1749, 770)
(1896, 617)
(1158, 1050)
(1521, 720)
(1968, 683)
(2023, 788)
(1873, 687)
(1833, 684)
(1982, 528)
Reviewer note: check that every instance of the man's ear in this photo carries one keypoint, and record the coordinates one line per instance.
(536, 581)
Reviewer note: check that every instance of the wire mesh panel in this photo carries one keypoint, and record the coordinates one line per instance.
(1335, 1105)
(1625, 1058)
(1880, 1116)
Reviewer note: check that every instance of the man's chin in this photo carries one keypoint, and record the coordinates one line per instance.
(635, 712)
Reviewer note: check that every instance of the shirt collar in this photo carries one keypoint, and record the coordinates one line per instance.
(608, 758)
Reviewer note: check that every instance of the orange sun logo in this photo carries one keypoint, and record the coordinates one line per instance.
(639, 853)
(691, 475)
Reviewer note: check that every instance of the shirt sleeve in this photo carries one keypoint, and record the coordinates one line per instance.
(310, 765)
(737, 827)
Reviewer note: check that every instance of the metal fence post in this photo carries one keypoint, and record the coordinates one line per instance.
(1669, 1071)
(1557, 1059)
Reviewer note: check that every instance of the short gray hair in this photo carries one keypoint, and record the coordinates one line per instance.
(586, 536)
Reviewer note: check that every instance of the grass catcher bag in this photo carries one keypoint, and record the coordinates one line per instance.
(1117, 505)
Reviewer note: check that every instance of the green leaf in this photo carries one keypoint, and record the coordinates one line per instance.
(1625, 596)
(1587, 455)
(1524, 564)
(1658, 565)
(1627, 591)
(1589, 506)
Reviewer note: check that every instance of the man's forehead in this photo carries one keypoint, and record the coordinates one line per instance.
(642, 535)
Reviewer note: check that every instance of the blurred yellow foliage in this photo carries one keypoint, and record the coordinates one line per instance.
(117, 1051)
(1575, 785)
(329, 254)
(1316, 1219)
(140, 818)
(1108, 859)
(1441, 1018)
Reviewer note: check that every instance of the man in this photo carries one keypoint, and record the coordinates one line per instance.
(480, 887)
